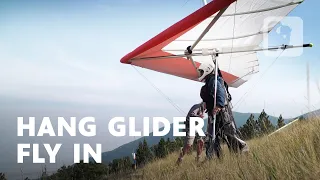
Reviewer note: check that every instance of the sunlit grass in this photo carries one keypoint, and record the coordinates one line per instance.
(292, 153)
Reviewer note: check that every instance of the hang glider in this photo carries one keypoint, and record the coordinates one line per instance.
(235, 28)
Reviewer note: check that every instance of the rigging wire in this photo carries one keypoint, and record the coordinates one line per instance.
(241, 100)
(164, 95)
(234, 22)
(234, 27)
(185, 3)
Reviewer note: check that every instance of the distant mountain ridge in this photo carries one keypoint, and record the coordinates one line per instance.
(126, 149)
(312, 114)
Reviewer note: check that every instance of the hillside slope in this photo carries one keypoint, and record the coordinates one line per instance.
(126, 149)
(293, 153)
(312, 114)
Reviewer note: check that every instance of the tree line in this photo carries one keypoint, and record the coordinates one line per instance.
(260, 127)
(146, 154)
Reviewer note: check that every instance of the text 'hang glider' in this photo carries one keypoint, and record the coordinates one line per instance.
(236, 28)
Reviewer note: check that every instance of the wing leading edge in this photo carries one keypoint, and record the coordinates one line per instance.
(241, 25)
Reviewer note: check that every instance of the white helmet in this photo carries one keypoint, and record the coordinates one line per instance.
(204, 70)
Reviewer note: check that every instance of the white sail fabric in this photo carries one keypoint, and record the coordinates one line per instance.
(241, 25)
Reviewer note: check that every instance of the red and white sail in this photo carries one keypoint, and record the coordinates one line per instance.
(240, 27)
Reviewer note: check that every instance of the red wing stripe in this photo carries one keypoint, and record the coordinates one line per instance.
(176, 30)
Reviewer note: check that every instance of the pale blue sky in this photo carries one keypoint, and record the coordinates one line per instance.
(63, 58)
(69, 51)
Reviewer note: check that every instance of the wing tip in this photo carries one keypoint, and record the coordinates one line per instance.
(125, 59)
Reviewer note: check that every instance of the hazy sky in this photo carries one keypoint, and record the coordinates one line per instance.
(70, 51)
(62, 58)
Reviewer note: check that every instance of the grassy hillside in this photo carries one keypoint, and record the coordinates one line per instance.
(126, 149)
(293, 153)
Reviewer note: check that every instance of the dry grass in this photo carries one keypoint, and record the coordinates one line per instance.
(293, 153)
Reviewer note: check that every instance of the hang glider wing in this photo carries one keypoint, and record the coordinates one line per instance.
(240, 30)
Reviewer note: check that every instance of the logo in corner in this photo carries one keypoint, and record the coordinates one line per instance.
(286, 31)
